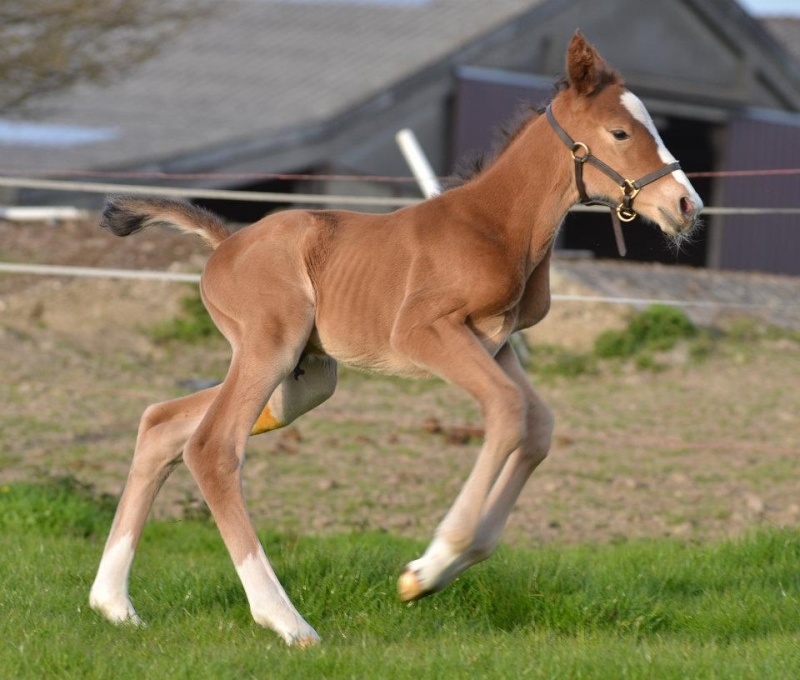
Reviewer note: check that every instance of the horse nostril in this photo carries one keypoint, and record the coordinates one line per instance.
(688, 208)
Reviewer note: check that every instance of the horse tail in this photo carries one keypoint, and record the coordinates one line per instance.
(124, 215)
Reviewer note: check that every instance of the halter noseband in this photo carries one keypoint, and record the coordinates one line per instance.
(622, 211)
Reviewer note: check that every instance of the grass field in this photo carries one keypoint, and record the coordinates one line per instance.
(657, 608)
(623, 561)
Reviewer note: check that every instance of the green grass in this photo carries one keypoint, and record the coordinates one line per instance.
(650, 609)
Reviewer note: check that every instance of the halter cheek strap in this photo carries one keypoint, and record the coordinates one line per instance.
(622, 211)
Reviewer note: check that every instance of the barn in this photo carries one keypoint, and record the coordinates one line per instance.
(319, 88)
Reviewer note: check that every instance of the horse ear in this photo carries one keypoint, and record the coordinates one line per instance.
(586, 68)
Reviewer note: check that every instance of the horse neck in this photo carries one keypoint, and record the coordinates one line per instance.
(526, 192)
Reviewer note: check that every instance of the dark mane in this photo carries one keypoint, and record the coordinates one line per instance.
(473, 163)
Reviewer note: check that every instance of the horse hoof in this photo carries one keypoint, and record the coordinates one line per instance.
(120, 613)
(409, 587)
(305, 641)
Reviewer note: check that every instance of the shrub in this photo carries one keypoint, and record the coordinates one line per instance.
(193, 325)
(656, 329)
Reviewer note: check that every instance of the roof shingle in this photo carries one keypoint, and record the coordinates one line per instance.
(255, 67)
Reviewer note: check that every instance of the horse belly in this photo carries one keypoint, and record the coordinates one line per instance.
(354, 352)
(357, 333)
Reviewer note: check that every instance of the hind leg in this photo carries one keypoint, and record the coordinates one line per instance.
(163, 432)
(215, 455)
(311, 382)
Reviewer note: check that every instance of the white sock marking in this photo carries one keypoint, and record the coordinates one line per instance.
(269, 604)
(109, 594)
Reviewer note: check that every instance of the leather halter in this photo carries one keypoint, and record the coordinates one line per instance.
(622, 211)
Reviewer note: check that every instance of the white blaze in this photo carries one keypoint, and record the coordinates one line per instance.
(637, 109)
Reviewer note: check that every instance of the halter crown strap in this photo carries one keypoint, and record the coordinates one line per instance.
(586, 155)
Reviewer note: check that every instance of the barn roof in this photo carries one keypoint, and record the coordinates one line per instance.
(251, 68)
(786, 30)
(258, 75)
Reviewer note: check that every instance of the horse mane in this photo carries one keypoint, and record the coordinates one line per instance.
(472, 164)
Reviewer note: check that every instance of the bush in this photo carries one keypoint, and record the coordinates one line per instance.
(657, 329)
(193, 325)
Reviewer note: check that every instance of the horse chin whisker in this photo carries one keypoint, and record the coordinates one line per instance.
(680, 241)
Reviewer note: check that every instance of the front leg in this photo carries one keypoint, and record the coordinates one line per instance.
(449, 349)
(518, 468)
(504, 493)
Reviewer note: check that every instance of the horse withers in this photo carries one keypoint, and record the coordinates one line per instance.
(435, 289)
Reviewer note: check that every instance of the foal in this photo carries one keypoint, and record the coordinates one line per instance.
(433, 289)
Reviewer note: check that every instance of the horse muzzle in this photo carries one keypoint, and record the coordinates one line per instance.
(683, 218)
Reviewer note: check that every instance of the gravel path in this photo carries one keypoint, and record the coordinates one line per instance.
(774, 299)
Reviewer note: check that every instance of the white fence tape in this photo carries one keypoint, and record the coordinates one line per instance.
(181, 277)
(96, 272)
(279, 197)
(196, 192)
(42, 214)
(418, 162)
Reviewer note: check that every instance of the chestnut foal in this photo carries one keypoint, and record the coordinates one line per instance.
(433, 289)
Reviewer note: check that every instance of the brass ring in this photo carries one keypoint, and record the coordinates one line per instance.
(586, 152)
(625, 214)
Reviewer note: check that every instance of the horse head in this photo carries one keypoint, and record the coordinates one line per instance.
(620, 160)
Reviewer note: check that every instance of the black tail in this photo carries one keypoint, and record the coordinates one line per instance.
(125, 215)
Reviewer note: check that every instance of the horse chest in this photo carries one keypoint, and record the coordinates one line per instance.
(533, 306)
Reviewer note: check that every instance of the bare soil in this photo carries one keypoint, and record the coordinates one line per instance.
(699, 450)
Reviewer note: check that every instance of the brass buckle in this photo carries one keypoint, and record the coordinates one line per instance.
(625, 210)
(629, 189)
(577, 146)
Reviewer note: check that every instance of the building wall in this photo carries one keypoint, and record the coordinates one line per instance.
(768, 243)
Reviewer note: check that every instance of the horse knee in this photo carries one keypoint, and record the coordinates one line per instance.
(540, 435)
(165, 427)
(158, 443)
(512, 417)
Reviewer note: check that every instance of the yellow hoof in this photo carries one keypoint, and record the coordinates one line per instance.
(408, 586)
(305, 642)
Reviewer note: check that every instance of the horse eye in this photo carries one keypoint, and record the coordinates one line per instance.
(620, 135)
